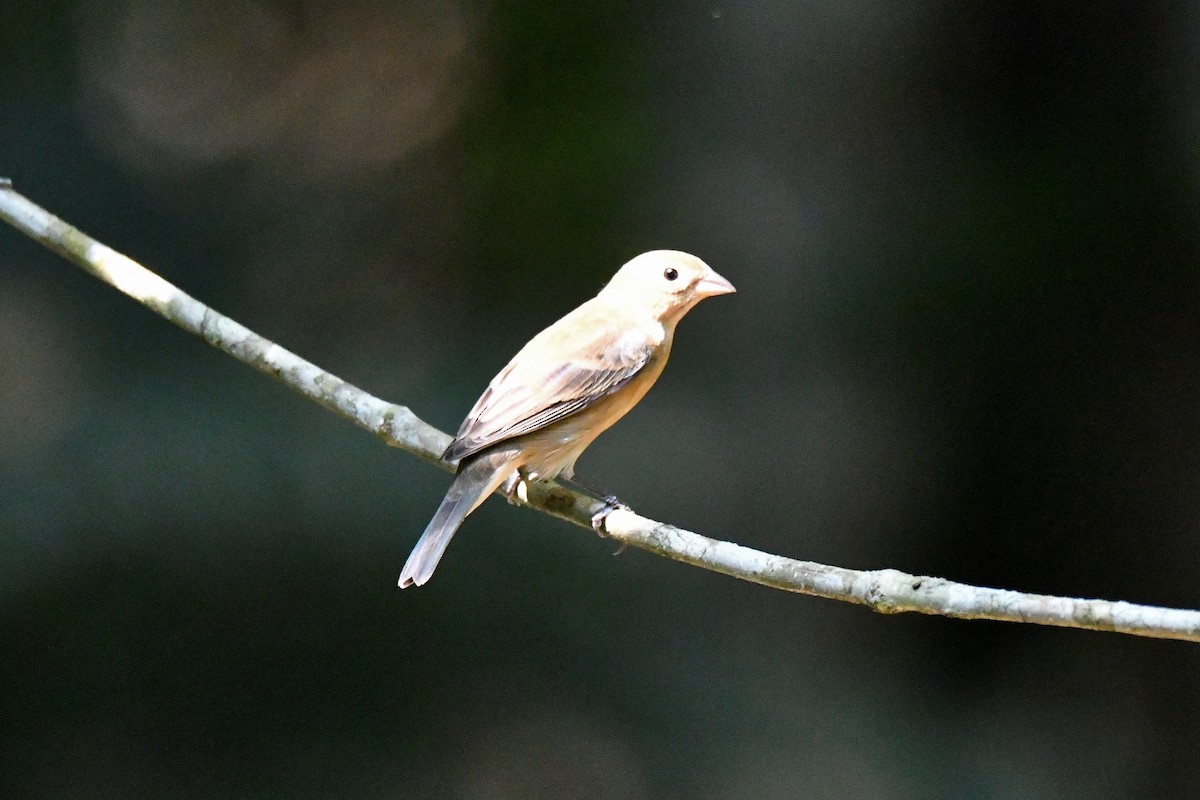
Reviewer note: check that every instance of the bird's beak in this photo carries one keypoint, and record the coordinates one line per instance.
(713, 284)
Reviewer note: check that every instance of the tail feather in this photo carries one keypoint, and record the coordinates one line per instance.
(474, 482)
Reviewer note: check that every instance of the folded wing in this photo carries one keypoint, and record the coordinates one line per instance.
(558, 374)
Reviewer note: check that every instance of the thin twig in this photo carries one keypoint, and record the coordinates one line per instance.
(887, 591)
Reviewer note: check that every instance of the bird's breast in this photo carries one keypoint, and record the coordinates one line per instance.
(553, 450)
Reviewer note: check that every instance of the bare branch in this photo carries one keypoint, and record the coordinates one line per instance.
(887, 591)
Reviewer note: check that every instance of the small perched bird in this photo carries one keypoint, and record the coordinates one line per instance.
(566, 387)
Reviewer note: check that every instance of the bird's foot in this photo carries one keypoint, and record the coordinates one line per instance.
(611, 504)
(516, 488)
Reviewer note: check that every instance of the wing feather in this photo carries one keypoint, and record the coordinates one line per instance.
(537, 388)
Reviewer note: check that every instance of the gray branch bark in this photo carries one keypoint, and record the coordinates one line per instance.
(886, 590)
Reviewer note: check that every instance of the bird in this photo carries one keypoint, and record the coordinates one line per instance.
(564, 388)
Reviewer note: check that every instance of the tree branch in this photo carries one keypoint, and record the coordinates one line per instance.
(887, 590)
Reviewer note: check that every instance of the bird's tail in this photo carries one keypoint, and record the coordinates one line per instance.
(475, 481)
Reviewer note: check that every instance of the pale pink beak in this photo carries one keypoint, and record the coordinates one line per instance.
(713, 284)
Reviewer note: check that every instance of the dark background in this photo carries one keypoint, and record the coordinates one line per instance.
(964, 237)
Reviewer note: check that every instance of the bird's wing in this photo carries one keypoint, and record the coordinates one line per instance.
(565, 369)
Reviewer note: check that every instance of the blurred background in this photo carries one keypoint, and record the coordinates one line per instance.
(965, 241)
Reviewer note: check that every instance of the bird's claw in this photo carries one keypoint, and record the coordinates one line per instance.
(516, 489)
(611, 504)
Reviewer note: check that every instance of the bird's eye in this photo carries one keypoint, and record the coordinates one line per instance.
(670, 273)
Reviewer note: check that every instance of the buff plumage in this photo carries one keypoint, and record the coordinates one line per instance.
(568, 385)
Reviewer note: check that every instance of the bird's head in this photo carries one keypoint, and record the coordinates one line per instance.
(668, 282)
